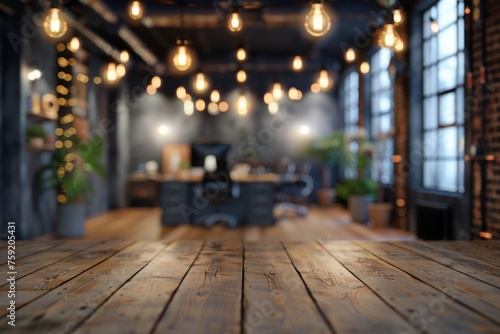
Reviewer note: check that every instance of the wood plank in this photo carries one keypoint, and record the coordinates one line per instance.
(347, 303)
(137, 305)
(482, 297)
(424, 306)
(26, 248)
(467, 265)
(30, 264)
(473, 250)
(63, 308)
(275, 297)
(209, 298)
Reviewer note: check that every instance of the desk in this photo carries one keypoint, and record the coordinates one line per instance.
(265, 287)
(182, 203)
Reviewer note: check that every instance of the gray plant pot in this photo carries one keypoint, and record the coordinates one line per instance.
(70, 221)
(358, 207)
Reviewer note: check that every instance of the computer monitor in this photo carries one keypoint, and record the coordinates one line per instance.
(219, 150)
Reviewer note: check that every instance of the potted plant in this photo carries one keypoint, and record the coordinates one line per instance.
(36, 135)
(69, 172)
(380, 212)
(329, 151)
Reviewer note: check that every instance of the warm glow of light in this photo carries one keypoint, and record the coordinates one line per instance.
(400, 46)
(69, 166)
(200, 105)
(35, 74)
(61, 198)
(277, 91)
(181, 93)
(182, 58)
(324, 80)
(61, 47)
(59, 132)
(241, 76)
(72, 61)
(124, 56)
(297, 64)
(315, 88)
(268, 98)
(156, 82)
(136, 10)
(121, 70)
(59, 144)
(97, 80)
(397, 159)
(350, 55)
(317, 21)
(293, 94)
(364, 67)
(388, 37)
(163, 130)
(398, 17)
(400, 202)
(188, 107)
(215, 96)
(273, 108)
(54, 25)
(235, 23)
(200, 84)
(223, 106)
(304, 130)
(467, 10)
(151, 90)
(63, 62)
(74, 44)
(111, 75)
(241, 54)
(187, 97)
(68, 144)
(485, 235)
(212, 108)
(242, 104)
(434, 26)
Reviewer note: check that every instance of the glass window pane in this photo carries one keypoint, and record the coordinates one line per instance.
(447, 109)
(447, 12)
(384, 101)
(460, 105)
(430, 113)
(448, 175)
(461, 176)
(385, 80)
(448, 142)
(429, 174)
(385, 58)
(385, 123)
(429, 145)
(434, 49)
(447, 74)
(461, 141)
(447, 42)
(461, 34)
(425, 24)
(427, 53)
(461, 68)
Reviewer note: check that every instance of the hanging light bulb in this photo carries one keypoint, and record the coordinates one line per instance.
(111, 75)
(54, 25)
(215, 96)
(200, 83)
(188, 107)
(136, 10)
(277, 91)
(400, 46)
(242, 104)
(350, 55)
(398, 17)
(315, 88)
(317, 22)
(234, 22)
(156, 81)
(181, 93)
(268, 98)
(297, 64)
(241, 54)
(182, 58)
(434, 26)
(124, 56)
(121, 70)
(324, 80)
(388, 37)
(273, 108)
(364, 67)
(74, 44)
(241, 76)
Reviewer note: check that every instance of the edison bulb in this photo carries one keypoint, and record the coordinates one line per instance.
(297, 64)
(121, 70)
(400, 46)
(74, 44)
(181, 93)
(277, 91)
(182, 58)
(434, 26)
(124, 56)
(241, 76)
(188, 107)
(242, 104)
(273, 108)
(388, 37)
(268, 98)
(317, 21)
(398, 17)
(54, 25)
(135, 11)
(364, 67)
(215, 96)
(111, 74)
(200, 83)
(324, 80)
(235, 23)
(350, 55)
(241, 54)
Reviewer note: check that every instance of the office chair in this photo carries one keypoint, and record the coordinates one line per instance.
(218, 189)
(293, 188)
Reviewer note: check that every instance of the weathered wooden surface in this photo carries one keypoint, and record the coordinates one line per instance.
(190, 286)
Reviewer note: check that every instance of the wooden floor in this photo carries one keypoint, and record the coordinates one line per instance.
(325, 224)
(187, 286)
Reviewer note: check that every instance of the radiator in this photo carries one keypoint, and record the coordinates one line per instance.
(434, 221)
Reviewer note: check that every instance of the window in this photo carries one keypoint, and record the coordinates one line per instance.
(350, 98)
(443, 97)
(382, 119)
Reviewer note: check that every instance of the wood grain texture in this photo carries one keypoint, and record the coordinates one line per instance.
(26, 248)
(209, 298)
(347, 303)
(275, 298)
(423, 306)
(477, 295)
(63, 308)
(137, 305)
(477, 250)
(473, 267)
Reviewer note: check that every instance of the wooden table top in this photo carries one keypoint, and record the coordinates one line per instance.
(255, 287)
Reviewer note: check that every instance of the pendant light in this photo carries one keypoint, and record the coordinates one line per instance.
(241, 76)
(54, 25)
(325, 82)
(74, 44)
(364, 68)
(215, 96)
(388, 37)
(317, 22)
(277, 91)
(124, 56)
(242, 104)
(181, 92)
(350, 55)
(434, 26)
(241, 54)
(135, 10)
(297, 64)
(110, 74)
(200, 84)
(182, 58)
(398, 17)
(234, 22)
